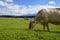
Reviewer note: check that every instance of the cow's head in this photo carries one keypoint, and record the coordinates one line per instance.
(31, 24)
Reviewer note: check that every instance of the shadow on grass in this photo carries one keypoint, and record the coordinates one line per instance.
(43, 31)
(38, 30)
(26, 29)
(47, 31)
(55, 31)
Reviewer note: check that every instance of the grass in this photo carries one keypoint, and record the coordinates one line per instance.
(17, 29)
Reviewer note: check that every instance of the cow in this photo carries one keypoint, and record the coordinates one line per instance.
(45, 16)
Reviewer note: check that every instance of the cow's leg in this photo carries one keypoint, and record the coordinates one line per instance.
(47, 27)
(43, 27)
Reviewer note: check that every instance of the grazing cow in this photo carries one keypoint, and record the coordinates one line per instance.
(45, 16)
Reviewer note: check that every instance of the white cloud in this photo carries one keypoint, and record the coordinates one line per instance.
(9, 0)
(13, 9)
(52, 2)
(21, 10)
(1, 3)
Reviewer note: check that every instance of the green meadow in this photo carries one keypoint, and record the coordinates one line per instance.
(17, 29)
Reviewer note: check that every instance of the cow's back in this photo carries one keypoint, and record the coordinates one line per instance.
(51, 15)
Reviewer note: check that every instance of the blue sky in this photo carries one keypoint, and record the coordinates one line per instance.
(21, 7)
(35, 2)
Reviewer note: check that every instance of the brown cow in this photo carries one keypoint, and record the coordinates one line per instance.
(45, 16)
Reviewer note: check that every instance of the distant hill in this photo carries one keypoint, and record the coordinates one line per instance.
(29, 14)
(12, 16)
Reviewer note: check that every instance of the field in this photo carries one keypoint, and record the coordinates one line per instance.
(17, 29)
